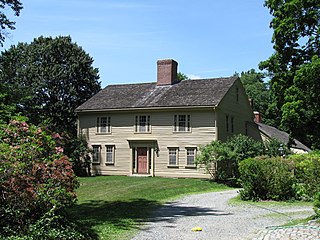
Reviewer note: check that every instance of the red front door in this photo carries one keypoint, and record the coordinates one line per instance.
(142, 160)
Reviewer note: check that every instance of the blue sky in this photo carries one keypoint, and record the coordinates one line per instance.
(208, 38)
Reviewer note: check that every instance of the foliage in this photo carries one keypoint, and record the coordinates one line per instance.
(307, 175)
(261, 95)
(316, 207)
(49, 78)
(301, 111)
(266, 179)
(5, 23)
(130, 201)
(296, 39)
(79, 152)
(37, 182)
(273, 146)
(181, 76)
(224, 157)
(296, 177)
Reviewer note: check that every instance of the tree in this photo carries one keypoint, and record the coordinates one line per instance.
(5, 23)
(47, 79)
(301, 111)
(181, 76)
(296, 40)
(258, 90)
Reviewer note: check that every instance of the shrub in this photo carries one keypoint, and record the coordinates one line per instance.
(36, 179)
(224, 157)
(307, 175)
(263, 179)
(316, 205)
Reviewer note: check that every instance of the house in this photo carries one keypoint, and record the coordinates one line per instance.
(267, 132)
(156, 128)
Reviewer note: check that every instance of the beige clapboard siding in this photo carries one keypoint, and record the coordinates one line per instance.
(241, 112)
(203, 132)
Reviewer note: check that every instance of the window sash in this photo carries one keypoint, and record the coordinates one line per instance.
(109, 154)
(227, 123)
(191, 156)
(143, 124)
(103, 125)
(96, 154)
(173, 156)
(182, 123)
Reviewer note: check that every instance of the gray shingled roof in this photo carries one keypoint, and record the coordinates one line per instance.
(282, 136)
(205, 92)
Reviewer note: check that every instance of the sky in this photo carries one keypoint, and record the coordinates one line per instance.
(208, 38)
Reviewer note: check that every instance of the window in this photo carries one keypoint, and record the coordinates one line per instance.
(182, 123)
(227, 123)
(109, 154)
(103, 125)
(143, 124)
(173, 156)
(237, 95)
(191, 153)
(96, 154)
(232, 124)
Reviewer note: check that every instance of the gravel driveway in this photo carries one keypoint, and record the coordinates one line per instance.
(218, 220)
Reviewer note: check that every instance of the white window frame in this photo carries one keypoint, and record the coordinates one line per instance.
(182, 123)
(110, 154)
(191, 152)
(104, 124)
(96, 154)
(143, 124)
(173, 152)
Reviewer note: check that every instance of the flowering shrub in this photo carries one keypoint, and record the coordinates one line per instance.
(36, 179)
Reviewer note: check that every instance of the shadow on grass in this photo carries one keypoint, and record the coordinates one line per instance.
(128, 215)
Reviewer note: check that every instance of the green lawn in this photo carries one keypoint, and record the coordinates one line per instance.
(114, 207)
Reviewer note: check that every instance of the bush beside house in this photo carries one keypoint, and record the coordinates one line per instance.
(37, 184)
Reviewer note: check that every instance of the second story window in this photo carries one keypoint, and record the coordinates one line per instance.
(103, 125)
(182, 123)
(143, 124)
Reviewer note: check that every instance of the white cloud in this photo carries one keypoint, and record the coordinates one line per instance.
(193, 76)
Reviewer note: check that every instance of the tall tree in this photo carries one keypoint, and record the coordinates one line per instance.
(296, 40)
(301, 111)
(47, 79)
(259, 92)
(5, 23)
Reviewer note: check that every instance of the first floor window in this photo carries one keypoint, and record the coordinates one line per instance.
(96, 154)
(103, 125)
(191, 153)
(173, 156)
(109, 154)
(182, 123)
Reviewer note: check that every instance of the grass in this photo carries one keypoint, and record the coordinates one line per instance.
(237, 201)
(114, 207)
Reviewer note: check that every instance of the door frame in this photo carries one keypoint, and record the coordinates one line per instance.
(151, 145)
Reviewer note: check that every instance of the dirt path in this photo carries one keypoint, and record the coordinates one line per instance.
(218, 220)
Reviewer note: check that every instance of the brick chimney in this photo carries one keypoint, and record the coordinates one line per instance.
(167, 72)
(257, 117)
